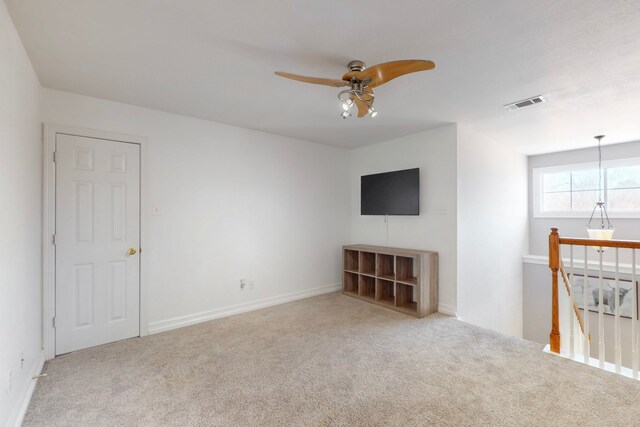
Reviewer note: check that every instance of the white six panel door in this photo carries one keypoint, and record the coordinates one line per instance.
(97, 223)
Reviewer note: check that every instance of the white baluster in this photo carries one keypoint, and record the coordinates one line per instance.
(634, 316)
(571, 313)
(579, 342)
(617, 317)
(585, 310)
(600, 316)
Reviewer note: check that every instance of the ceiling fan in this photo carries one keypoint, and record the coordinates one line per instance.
(362, 79)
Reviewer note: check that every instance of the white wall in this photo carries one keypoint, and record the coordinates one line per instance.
(492, 232)
(20, 221)
(234, 203)
(536, 301)
(434, 152)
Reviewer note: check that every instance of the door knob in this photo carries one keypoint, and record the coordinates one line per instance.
(132, 251)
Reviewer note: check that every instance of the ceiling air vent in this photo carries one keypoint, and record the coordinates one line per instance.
(524, 103)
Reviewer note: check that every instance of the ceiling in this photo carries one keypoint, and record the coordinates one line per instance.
(215, 60)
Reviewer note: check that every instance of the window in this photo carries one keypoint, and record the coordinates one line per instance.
(572, 190)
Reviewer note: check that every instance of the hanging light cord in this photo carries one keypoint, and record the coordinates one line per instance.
(599, 170)
(600, 204)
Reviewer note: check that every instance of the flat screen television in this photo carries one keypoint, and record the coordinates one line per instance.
(390, 193)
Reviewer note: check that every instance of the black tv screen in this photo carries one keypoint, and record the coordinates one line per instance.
(391, 193)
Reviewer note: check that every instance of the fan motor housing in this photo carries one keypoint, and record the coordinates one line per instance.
(356, 66)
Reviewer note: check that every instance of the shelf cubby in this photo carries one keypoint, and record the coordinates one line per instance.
(350, 283)
(385, 267)
(368, 263)
(385, 292)
(351, 260)
(404, 280)
(406, 270)
(367, 287)
(404, 297)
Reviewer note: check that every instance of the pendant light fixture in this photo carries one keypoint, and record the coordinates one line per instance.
(600, 231)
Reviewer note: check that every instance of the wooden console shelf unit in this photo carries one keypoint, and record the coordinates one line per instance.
(404, 280)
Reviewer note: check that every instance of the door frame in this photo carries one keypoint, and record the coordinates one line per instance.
(49, 221)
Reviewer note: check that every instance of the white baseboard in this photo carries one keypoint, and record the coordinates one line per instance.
(446, 309)
(20, 410)
(192, 319)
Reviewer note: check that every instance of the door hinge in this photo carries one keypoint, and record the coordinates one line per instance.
(53, 321)
(54, 156)
(53, 240)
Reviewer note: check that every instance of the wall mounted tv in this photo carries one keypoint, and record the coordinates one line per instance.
(390, 193)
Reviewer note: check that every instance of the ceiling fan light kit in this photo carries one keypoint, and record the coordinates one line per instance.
(350, 97)
(361, 81)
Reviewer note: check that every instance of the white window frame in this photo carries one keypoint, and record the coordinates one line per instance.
(537, 174)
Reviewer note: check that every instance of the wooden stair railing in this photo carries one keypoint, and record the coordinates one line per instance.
(556, 266)
(567, 285)
(576, 309)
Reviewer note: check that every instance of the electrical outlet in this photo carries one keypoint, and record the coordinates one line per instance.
(21, 360)
(243, 284)
(251, 284)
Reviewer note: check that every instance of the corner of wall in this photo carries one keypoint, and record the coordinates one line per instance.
(20, 222)
(434, 152)
(492, 231)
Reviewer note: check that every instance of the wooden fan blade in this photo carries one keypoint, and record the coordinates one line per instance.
(382, 73)
(363, 108)
(314, 80)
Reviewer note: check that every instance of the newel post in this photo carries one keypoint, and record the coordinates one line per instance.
(554, 265)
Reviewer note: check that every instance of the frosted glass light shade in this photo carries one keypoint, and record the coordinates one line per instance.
(600, 234)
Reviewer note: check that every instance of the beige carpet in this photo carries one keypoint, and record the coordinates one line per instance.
(329, 360)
